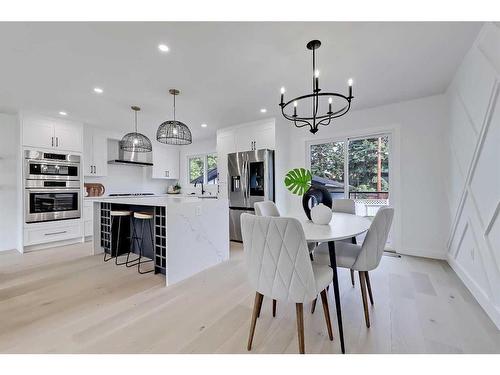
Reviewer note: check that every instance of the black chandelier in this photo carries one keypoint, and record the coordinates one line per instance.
(134, 141)
(315, 118)
(174, 132)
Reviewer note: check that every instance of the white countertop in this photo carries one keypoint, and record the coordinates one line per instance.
(152, 200)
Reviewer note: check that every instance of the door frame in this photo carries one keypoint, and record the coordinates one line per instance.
(394, 167)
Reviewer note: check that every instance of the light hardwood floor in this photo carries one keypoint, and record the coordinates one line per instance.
(62, 301)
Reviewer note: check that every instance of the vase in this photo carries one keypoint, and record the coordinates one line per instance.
(315, 195)
(321, 214)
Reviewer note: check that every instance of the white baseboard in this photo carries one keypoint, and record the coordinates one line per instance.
(53, 244)
(482, 298)
(432, 254)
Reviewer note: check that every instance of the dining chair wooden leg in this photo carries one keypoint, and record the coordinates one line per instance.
(260, 307)
(274, 308)
(313, 305)
(326, 310)
(300, 326)
(353, 241)
(362, 285)
(369, 287)
(256, 304)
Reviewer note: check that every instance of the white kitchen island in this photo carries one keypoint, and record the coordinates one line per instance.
(191, 234)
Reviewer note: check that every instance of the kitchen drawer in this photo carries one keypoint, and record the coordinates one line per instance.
(51, 233)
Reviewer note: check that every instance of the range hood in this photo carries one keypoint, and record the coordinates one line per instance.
(140, 159)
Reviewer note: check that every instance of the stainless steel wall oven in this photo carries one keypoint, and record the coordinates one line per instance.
(52, 186)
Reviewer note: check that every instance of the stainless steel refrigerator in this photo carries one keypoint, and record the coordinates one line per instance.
(250, 180)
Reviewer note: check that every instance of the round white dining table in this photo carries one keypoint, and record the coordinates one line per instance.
(342, 226)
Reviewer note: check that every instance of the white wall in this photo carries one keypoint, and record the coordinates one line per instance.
(474, 171)
(130, 179)
(417, 187)
(9, 154)
(204, 146)
(127, 178)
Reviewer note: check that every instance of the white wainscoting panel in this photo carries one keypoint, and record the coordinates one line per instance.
(474, 173)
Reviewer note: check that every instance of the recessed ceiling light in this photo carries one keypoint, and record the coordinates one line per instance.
(204, 125)
(62, 113)
(163, 47)
(263, 110)
(98, 90)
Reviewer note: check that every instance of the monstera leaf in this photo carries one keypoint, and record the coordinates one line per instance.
(298, 180)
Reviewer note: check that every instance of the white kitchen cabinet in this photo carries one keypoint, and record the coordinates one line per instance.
(51, 133)
(95, 152)
(264, 137)
(165, 162)
(38, 132)
(248, 137)
(88, 218)
(40, 233)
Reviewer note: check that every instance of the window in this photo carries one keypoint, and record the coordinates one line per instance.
(203, 169)
(356, 168)
(196, 169)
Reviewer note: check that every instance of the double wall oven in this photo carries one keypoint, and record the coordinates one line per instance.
(52, 186)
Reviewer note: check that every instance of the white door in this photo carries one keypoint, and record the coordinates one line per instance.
(264, 137)
(38, 132)
(244, 138)
(100, 154)
(68, 137)
(88, 153)
(226, 144)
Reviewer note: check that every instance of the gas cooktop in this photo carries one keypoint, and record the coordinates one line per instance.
(130, 194)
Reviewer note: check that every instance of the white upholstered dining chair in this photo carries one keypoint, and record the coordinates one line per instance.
(278, 267)
(269, 208)
(346, 206)
(362, 258)
(266, 208)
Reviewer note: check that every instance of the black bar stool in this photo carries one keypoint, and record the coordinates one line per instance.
(116, 214)
(143, 217)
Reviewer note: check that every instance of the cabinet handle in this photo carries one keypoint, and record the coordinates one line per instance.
(57, 141)
(54, 233)
(52, 141)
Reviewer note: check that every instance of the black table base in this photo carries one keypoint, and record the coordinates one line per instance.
(336, 291)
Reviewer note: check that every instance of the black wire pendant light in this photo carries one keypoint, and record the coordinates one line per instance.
(340, 103)
(135, 142)
(174, 132)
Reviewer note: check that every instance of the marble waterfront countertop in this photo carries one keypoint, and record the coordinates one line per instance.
(153, 200)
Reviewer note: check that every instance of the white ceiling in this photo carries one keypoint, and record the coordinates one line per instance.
(226, 71)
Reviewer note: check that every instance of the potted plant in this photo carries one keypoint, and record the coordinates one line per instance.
(299, 182)
(174, 189)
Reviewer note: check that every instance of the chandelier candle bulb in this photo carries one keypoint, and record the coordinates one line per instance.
(349, 82)
(295, 108)
(330, 100)
(282, 94)
(316, 80)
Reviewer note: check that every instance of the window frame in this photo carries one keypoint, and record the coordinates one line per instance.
(204, 157)
(346, 139)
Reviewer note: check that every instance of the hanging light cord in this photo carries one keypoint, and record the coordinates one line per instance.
(135, 115)
(174, 106)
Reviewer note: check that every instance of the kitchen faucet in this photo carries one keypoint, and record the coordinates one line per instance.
(202, 189)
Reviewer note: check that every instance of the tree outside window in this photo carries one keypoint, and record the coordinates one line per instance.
(203, 169)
